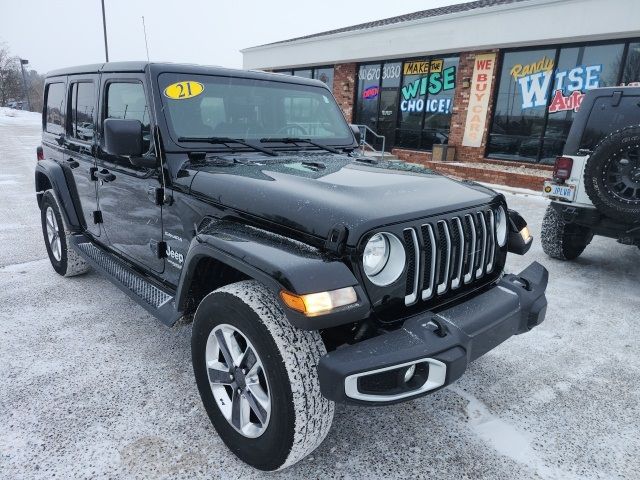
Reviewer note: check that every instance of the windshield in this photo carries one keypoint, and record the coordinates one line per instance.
(252, 110)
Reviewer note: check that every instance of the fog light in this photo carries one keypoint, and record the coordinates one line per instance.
(408, 375)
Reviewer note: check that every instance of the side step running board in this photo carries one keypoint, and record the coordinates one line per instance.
(155, 300)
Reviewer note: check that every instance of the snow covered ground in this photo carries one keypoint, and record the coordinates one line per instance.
(91, 386)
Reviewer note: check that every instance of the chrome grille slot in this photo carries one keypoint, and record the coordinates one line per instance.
(458, 252)
(430, 250)
(413, 272)
(492, 241)
(482, 244)
(444, 249)
(471, 260)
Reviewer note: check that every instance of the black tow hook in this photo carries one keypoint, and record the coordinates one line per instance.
(441, 329)
(523, 282)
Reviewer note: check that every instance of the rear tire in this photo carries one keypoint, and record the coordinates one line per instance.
(564, 241)
(248, 316)
(612, 175)
(64, 259)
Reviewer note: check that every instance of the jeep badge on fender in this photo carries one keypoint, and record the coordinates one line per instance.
(313, 275)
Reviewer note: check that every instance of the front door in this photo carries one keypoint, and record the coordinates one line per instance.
(377, 103)
(388, 104)
(126, 193)
(79, 142)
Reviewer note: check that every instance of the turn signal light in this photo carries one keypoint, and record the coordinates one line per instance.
(318, 303)
(40, 153)
(562, 168)
(525, 234)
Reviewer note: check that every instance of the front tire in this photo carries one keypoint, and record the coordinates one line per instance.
(285, 417)
(64, 259)
(564, 241)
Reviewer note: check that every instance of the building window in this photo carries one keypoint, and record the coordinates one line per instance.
(324, 75)
(539, 92)
(304, 73)
(631, 75)
(409, 102)
(426, 102)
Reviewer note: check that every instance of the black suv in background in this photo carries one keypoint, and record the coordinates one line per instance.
(313, 275)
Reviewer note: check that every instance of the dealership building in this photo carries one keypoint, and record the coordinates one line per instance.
(491, 86)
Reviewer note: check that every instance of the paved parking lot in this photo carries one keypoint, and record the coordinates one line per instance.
(92, 386)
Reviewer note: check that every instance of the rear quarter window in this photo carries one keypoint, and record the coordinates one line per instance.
(606, 117)
(54, 109)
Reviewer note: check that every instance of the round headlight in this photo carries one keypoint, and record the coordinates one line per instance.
(501, 226)
(376, 254)
(383, 259)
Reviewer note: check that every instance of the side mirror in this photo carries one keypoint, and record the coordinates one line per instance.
(123, 137)
(356, 133)
(519, 240)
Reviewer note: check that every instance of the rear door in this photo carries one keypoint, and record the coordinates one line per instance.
(79, 144)
(127, 194)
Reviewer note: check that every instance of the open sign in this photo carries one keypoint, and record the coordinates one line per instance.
(370, 92)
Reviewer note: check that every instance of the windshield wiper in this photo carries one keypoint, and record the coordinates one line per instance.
(225, 141)
(300, 140)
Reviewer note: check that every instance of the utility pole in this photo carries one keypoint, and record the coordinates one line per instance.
(146, 44)
(104, 28)
(25, 89)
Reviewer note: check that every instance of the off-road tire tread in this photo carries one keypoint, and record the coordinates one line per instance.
(555, 233)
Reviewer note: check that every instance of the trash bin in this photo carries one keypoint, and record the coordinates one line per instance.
(443, 153)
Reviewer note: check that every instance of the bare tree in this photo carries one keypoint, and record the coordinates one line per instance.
(11, 86)
(9, 76)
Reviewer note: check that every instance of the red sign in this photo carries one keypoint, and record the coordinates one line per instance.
(371, 92)
(562, 103)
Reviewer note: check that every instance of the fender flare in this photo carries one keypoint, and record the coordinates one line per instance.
(278, 263)
(56, 176)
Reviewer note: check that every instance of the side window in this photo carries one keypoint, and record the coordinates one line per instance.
(54, 114)
(605, 118)
(82, 106)
(127, 100)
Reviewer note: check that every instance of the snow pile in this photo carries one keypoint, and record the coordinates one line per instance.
(11, 116)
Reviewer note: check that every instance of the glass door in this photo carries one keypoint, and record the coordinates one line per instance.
(388, 104)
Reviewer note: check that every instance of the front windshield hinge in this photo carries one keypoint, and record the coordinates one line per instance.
(157, 195)
(337, 239)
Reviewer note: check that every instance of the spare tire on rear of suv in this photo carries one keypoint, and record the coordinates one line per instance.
(612, 175)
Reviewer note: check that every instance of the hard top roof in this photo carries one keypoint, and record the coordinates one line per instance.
(156, 68)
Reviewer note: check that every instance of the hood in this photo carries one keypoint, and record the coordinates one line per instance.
(313, 193)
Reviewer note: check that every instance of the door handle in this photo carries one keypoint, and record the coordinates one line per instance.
(71, 163)
(105, 175)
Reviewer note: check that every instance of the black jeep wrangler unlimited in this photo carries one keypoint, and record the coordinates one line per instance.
(314, 275)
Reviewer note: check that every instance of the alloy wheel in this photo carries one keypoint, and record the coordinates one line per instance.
(238, 380)
(623, 176)
(53, 234)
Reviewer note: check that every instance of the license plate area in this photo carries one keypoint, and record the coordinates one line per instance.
(565, 191)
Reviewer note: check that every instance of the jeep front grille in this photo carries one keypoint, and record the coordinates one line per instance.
(445, 254)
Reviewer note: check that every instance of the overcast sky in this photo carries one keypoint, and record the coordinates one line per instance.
(53, 34)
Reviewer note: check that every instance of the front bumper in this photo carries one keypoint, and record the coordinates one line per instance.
(440, 345)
